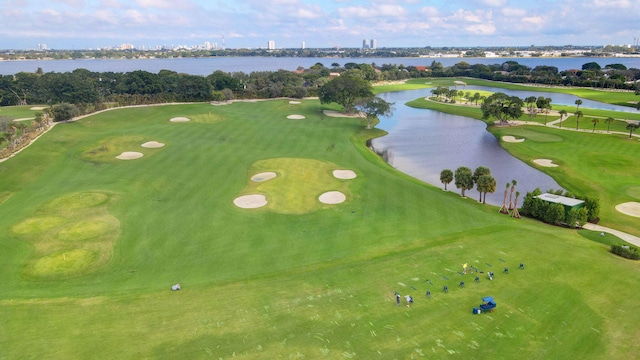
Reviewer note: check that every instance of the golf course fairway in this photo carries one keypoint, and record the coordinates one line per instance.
(92, 243)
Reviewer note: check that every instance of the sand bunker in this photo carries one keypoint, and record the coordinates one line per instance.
(294, 102)
(344, 174)
(152, 145)
(629, 208)
(332, 197)
(339, 114)
(37, 108)
(545, 162)
(263, 176)
(295, 117)
(180, 119)
(250, 201)
(129, 155)
(511, 139)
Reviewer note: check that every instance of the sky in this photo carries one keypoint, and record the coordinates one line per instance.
(83, 24)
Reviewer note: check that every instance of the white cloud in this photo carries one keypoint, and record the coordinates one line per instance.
(513, 12)
(428, 11)
(620, 4)
(481, 29)
(495, 3)
(372, 12)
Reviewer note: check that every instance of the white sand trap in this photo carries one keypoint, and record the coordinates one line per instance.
(295, 117)
(250, 201)
(333, 113)
(180, 119)
(37, 108)
(294, 102)
(152, 145)
(344, 174)
(629, 208)
(263, 176)
(545, 162)
(130, 155)
(332, 197)
(511, 139)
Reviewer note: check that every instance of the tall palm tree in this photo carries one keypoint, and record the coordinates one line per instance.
(632, 127)
(578, 103)
(578, 114)
(562, 112)
(608, 120)
(504, 208)
(515, 212)
(513, 186)
(595, 121)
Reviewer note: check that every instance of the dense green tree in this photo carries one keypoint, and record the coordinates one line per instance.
(485, 184)
(64, 112)
(555, 214)
(592, 206)
(345, 90)
(374, 107)
(477, 173)
(502, 107)
(591, 66)
(463, 179)
(446, 177)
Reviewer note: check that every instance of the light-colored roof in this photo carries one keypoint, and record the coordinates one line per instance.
(560, 199)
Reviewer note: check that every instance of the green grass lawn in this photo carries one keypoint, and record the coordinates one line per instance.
(91, 245)
(20, 112)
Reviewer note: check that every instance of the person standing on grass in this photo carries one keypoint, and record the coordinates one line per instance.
(409, 300)
(397, 299)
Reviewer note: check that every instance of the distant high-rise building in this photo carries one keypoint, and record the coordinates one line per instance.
(365, 44)
(271, 45)
(373, 43)
(42, 46)
(303, 45)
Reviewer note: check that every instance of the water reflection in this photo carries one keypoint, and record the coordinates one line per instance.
(422, 143)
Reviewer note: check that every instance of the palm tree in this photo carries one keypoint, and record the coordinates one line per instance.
(562, 112)
(578, 114)
(608, 120)
(630, 126)
(446, 176)
(515, 212)
(504, 209)
(513, 186)
(595, 121)
(578, 103)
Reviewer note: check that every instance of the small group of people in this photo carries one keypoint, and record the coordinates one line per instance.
(407, 298)
(175, 287)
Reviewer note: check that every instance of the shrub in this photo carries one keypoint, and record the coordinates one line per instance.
(629, 252)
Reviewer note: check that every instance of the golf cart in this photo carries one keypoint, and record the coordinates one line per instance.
(488, 304)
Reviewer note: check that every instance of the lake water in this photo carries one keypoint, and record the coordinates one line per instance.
(422, 143)
(206, 66)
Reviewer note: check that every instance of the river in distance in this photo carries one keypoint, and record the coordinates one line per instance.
(206, 66)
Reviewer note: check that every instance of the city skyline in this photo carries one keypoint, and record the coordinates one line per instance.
(84, 24)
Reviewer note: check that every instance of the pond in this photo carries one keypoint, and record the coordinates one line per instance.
(557, 98)
(422, 143)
